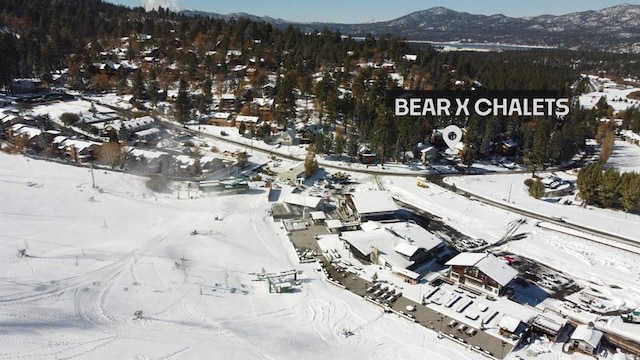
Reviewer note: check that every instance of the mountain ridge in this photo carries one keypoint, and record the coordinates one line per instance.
(613, 28)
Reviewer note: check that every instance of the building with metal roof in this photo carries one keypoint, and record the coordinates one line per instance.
(483, 271)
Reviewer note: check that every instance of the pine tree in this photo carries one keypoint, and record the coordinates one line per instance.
(537, 189)
(609, 187)
(285, 103)
(487, 138)
(629, 190)
(471, 140)
(537, 155)
(338, 144)
(385, 132)
(242, 128)
(137, 87)
(207, 84)
(328, 145)
(152, 92)
(352, 146)
(310, 162)
(319, 142)
(589, 181)
(182, 106)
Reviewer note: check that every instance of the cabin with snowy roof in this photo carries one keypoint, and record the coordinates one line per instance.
(586, 339)
(483, 271)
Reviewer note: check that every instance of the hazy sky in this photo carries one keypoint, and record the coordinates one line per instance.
(356, 11)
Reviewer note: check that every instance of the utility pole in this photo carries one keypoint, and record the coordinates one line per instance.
(93, 179)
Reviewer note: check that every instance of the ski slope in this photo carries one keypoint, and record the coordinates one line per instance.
(98, 255)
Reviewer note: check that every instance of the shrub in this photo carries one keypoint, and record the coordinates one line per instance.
(528, 182)
(69, 118)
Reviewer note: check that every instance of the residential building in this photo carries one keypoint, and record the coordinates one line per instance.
(371, 205)
(586, 339)
(483, 271)
(401, 247)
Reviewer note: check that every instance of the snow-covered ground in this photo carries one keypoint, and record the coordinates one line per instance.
(496, 187)
(612, 271)
(98, 256)
(616, 94)
(625, 157)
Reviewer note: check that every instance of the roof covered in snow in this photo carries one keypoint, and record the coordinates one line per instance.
(384, 241)
(80, 145)
(147, 132)
(303, 200)
(406, 249)
(333, 223)
(466, 259)
(414, 234)
(26, 130)
(589, 335)
(138, 123)
(488, 263)
(550, 321)
(390, 242)
(509, 323)
(246, 118)
(148, 154)
(318, 215)
(221, 115)
(373, 202)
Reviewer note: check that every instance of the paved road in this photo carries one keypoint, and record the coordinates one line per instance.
(548, 219)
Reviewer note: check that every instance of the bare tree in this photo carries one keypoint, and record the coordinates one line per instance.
(112, 154)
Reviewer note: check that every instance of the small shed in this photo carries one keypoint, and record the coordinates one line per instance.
(220, 119)
(318, 217)
(148, 134)
(513, 328)
(287, 137)
(586, 339)
(334, 225)
(550, 324)
(249, 121)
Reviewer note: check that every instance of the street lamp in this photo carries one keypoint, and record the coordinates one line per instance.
(440, 320)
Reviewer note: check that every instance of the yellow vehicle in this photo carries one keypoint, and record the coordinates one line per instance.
(421, 181)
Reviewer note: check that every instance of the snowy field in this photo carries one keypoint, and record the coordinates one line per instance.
(97, 256)
(625, 157)
(496, 187)
(616, 95)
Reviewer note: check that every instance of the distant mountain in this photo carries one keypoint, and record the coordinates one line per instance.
(273, 21)
(615, 28)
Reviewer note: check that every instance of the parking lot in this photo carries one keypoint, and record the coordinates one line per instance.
(392, 299)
